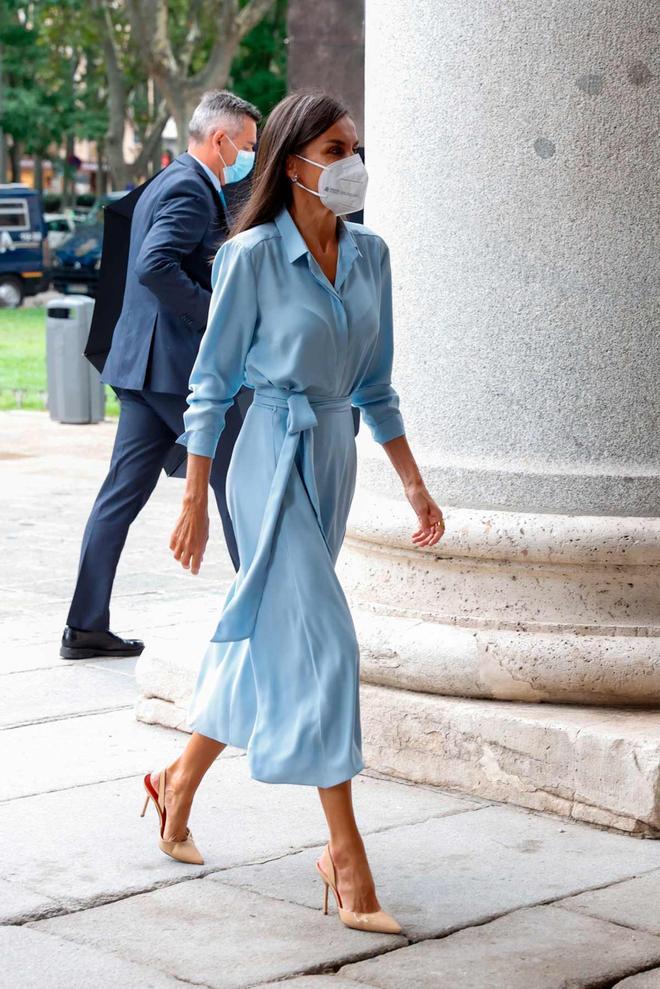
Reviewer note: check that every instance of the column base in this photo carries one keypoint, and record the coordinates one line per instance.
(496, 664)
(508, 605)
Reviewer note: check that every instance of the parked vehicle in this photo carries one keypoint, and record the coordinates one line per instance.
(77, 261)
(24, 250)
(60, 227)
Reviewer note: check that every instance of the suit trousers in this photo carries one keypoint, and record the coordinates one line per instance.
(149, 423)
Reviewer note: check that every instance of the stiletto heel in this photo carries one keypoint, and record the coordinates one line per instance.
(378, 921)
(182, 851)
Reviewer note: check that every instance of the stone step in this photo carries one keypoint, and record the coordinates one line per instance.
(600, 765)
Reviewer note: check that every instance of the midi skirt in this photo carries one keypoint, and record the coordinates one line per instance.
(280, 676)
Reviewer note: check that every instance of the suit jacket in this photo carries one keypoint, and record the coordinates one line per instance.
(177, 227)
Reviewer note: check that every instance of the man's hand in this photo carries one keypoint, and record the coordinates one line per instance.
(190, 535)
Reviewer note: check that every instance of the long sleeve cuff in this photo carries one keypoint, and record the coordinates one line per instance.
(201, 442)
(389, 428)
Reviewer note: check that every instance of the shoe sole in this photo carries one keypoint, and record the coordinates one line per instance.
(67, 652)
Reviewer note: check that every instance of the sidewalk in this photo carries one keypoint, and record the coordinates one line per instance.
(489, 896)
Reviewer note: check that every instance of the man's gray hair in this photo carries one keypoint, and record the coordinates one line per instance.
(220, 108)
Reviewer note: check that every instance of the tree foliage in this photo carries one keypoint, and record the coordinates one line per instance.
(85, 68)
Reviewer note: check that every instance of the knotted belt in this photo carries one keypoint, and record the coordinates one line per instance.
(244, 597)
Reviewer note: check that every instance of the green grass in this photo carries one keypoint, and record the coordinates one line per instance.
(23, 361)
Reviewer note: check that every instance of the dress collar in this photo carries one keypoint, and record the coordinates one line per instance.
(294, 242)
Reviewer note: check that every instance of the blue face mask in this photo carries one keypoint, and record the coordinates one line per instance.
(241, 167)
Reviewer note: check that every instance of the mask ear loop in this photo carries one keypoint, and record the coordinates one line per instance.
(297, 181)
(318, 164)
(221, 155)
(222, 159)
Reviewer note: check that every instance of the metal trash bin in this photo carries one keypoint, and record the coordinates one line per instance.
(75, 390)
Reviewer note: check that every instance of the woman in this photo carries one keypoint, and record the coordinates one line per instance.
(301, 311)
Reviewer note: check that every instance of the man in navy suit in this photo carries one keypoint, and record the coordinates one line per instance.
(178, 224)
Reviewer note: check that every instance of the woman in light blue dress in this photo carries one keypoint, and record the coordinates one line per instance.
(301, 312)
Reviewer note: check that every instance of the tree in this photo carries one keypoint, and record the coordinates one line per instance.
(75, 69)
(259, 69)
(189, 46)
(125, 77)
(33, 116)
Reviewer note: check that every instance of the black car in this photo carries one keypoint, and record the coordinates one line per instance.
(76, 263)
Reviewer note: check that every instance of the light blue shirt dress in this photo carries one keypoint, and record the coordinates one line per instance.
(280, 676)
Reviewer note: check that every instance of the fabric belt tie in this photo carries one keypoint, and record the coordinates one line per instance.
(244, 597)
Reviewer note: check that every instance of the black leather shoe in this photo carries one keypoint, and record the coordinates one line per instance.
(78, 643)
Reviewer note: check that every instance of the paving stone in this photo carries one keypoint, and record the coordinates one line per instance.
(42, 628)
(18, 658)
(37, 599)
(634, 903)
(184, 621)
(644, 980)
(446, 873)
(32, 960)
(223, 937)
(235, 820)
(53, 693)
(115, 664)
(19, 903)
(534, 948)
(316, 982)
(55, 755)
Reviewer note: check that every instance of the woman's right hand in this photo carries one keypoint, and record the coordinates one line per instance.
(191, 533)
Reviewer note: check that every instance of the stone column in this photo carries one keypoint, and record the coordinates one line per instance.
(513, 173)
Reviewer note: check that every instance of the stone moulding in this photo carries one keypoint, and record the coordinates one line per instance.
(508, 605)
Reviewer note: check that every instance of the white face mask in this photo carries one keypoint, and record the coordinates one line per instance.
(342, 186)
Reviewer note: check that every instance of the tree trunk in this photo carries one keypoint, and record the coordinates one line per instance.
(154, 162)
(118, 167)
(38, 173)
(15, 161)
(182, 114)
(69, 177)
(3, 137)
(101, 174)
(3, 156)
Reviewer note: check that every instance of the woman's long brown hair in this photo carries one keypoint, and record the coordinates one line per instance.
(296, 120)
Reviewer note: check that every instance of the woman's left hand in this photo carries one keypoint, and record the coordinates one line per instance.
(431, 522)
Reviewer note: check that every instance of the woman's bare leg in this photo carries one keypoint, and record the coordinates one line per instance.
(183, 777)
(354, 880)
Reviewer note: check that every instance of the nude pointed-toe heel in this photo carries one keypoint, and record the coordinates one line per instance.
(378, 921)
(182, 851)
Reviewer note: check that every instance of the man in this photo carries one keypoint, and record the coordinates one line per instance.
(178, 224)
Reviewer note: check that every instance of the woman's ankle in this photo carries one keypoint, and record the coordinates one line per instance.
(180, 782)
(346, 848)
